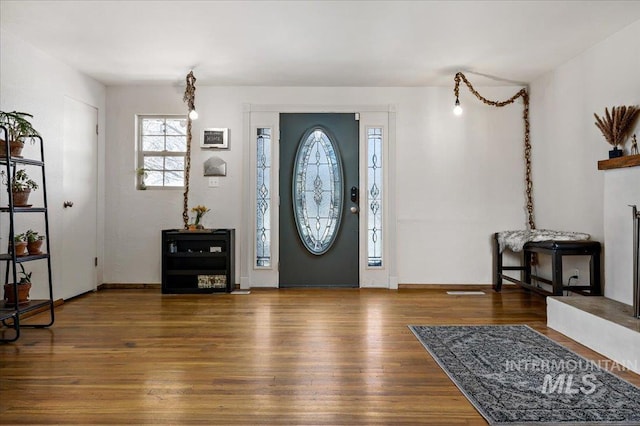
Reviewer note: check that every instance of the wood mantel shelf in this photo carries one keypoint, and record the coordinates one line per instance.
(620, 162)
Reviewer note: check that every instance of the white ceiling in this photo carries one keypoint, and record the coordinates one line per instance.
(313, 43)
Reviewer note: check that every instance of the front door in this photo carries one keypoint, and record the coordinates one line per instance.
(318, 200)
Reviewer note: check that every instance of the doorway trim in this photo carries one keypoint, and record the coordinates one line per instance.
(259, 116)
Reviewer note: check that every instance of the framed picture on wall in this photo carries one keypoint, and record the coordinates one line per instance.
(215, 138)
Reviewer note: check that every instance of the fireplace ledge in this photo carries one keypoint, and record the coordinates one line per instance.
(605, 308)
(620, 162)
(603, 325)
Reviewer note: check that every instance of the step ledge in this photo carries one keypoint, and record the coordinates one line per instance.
(604, 325)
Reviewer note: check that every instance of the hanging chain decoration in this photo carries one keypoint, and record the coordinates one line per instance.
(522, 93)
(189, 97)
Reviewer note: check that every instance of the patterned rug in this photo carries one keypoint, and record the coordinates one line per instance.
(514, 375)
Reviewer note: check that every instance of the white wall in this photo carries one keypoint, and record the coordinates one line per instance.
(458, 179)
(33, 81)
(569, 190)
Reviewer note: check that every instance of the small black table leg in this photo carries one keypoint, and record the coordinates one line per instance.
(556, 265)
(497, 264)
(527, 266)
(594, 272)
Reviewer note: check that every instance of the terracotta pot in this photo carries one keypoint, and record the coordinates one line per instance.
(21, 199)
(23, 294)
(34, 247)
(21, 248)
(14, 146)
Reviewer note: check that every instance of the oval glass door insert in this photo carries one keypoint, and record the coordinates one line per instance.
(317, 191)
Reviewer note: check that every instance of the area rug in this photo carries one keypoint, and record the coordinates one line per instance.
(514, 375)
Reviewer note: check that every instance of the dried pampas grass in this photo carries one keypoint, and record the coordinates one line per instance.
(616, 126)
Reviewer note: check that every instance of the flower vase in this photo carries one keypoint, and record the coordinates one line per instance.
(615, 153)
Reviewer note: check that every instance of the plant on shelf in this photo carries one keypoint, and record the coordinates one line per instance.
(199, 212)
(19, 129)
(23, 287)
(20, 241)
(21, 186)
(34, 242)
(615, 126)
(26, 277)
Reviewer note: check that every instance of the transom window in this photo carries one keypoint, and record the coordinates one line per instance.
(162, 149)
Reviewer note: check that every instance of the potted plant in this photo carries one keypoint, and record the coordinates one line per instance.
(141, 172)
(20, 242)
(615, 126)
(19, 128)
(24, 287)
(34, 242)
(21, 186)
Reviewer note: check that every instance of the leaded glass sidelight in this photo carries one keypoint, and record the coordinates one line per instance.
(317, 191)
(263, 197)
(374, 196)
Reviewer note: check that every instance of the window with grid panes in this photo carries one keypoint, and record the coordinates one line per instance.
(162, 148)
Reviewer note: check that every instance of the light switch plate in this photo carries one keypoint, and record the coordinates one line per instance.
(214, 182)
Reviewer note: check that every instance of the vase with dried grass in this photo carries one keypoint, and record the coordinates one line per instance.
(616, 126)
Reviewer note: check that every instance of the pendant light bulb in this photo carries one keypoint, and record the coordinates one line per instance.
(457, 109)
(193, 114)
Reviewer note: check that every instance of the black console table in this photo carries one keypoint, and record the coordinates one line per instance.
(199, 261)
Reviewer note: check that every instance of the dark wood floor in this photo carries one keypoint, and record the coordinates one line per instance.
(271, 357)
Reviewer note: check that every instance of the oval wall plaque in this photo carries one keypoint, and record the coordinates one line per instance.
(317, 190)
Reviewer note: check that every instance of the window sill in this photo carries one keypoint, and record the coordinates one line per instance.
(620, 162)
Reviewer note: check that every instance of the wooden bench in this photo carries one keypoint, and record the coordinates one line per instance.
(555, 249)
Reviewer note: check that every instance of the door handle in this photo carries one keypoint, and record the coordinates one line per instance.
(354, 210)
(67, 204)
